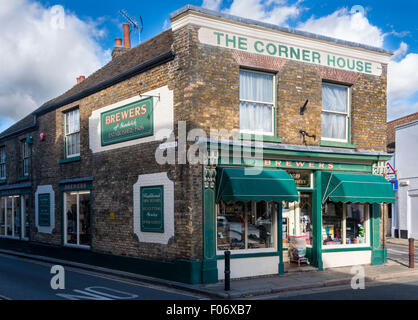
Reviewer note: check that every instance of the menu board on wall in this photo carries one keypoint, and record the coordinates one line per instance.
(44, 210)
(152, 209)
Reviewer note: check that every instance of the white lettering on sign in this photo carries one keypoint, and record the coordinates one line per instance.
(287, 51)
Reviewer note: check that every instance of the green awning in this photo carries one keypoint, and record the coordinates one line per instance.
(348, 187)
(245, 184)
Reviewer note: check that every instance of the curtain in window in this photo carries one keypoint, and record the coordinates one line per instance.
(334, 99)
(256, 95)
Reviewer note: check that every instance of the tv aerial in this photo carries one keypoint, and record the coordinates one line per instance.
(134, 24)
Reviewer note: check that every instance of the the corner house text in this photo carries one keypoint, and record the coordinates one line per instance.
(286, 51)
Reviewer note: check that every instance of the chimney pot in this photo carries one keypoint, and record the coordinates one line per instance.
(118, 42)
(126, 35)
(80, 79)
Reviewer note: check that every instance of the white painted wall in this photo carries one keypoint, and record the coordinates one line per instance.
(344, 259)
(406, 160)
(250, 267)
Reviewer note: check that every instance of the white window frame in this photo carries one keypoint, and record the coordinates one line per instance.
(68, 134)
(273, 106)
(347, 114)
(25, 158)
(250, 251)
(77, 245)
(3, 162)
(367, 208)
(23, 221)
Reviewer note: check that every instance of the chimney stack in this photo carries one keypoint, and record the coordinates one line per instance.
(126, 35)
(118, 42)
(80, 79)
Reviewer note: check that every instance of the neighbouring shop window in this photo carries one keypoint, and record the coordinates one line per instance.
(72, 133)
(77, 218)
(14, 216)
(256, 102)
(344, 224)
(2, 163)
(242, 226)
(25, 154)
(335, 112)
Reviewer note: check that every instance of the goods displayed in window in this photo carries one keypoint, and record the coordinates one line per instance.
(77, 218)
(243, 226)
(344, 224)
(14, 216)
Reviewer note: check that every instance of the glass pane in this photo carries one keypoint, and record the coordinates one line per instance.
(355, 224)
(71, 216)
(256, 86)
(306, 217)
(9, 216)
(334, 126)
(331, 224)
(26, 208)
(231, 226)
(334, 98)
(85, 218)
(256, 117)
(260, 225)
(17, 216)
(76, 120)
(77, 143)
(2, 216)
(2, 171)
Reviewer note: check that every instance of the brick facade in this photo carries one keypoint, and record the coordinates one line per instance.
(205, 82)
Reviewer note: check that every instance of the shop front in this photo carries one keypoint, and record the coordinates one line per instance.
(333, 207)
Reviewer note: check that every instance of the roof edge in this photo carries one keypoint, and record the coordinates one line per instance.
(218, 14)
(147, 65)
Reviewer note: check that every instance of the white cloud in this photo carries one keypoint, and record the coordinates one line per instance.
(346, 26)
(43, 50)
(403, 78)
(401, 109)
(212, 4)
(277, 12)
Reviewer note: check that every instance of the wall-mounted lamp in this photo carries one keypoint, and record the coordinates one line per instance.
(303, 108)
(305, 134)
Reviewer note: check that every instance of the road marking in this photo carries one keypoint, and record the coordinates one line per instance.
(90, 273)
(4, 298)
(397, 251)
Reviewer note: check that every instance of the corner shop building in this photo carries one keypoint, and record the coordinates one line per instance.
(80, 178)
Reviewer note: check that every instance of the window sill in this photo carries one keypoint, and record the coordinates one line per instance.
(23, 179)
(347, 249)
(335, 144)
(247, 136)
(76, 246)
(3, 181)
(69, 160)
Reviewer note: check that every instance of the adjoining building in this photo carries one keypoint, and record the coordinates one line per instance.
(88, 176)
(402, 141)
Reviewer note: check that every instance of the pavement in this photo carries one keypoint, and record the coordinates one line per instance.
(403, 242)
(251, 287)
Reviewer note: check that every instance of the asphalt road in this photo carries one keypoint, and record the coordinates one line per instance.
(23, 279)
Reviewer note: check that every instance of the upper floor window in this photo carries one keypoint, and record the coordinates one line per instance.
(335, 112)
(2, 162)
(257, 102)
(72, 133)
(25, 152)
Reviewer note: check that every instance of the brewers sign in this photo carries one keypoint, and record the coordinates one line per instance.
(133, 121)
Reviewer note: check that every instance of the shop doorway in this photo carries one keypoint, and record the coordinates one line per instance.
(297, 232)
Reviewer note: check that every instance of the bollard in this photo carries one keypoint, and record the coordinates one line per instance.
(227, 270)
(411, 253)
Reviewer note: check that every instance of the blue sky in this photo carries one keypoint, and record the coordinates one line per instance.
(49, 65)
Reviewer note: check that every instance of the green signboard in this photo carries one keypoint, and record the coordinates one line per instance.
(133, 121)
(152, 209)
(44, 209)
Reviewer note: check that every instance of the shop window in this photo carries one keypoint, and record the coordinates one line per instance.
(245, 226)
(257, 102)
(14, 217)
(25, 157)
(345, 224)
(335, 112)
(72, 133)
(77, 207)
(2, 163)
